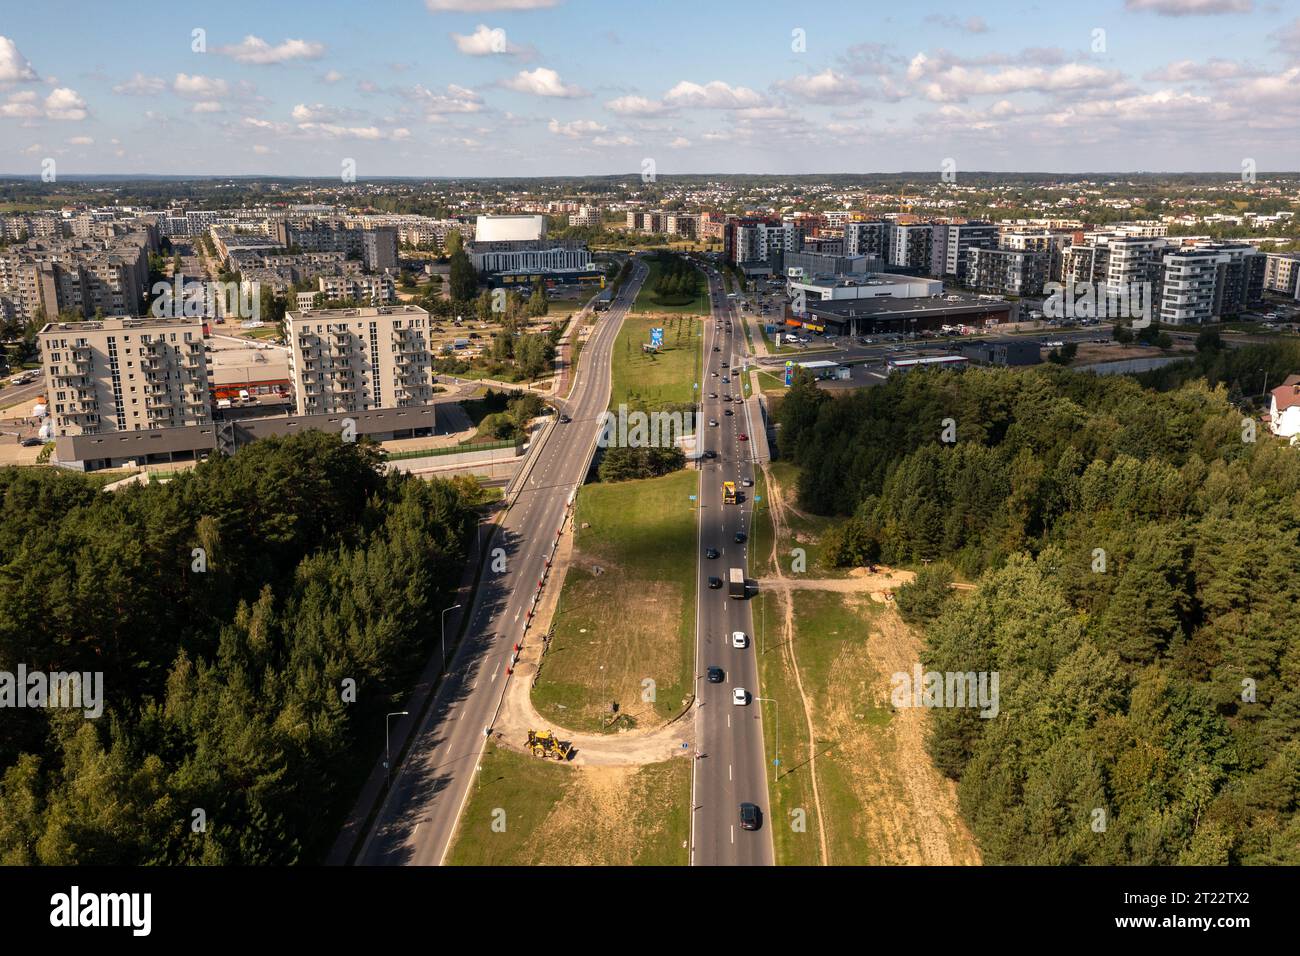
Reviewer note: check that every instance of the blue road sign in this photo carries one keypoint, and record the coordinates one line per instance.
(692, 497)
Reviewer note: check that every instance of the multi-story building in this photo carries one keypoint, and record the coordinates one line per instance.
(1210, 280)
(1007, 271)
(867, 238)
(510, 248)
(681, 224)
(952, 242)
(1281, 272)
(352, 360)
(125, 374)
(753, 240)
(909, 245)
(586, 216)
(1083, 263)
(1133, 260)
(86, 276)
(376, 248)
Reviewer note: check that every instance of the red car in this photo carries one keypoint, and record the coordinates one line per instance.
(743, 437)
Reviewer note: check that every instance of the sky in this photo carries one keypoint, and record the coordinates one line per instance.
(583, 87)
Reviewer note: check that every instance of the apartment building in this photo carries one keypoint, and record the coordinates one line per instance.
(587, 217)
(910, 245)
(374, 290)
(125, 374)
(951, 244)
(753, 240)
(1007, 271)
(1281, 272)
(376, 248)
(1132, 259)
(353, 360)
(1210, 280)
(867, 238)
(86, 276)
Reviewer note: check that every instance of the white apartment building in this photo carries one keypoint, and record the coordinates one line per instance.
(351, 360)
(125, 374)
(867, 238)
(1281, 272)
(1187, 294)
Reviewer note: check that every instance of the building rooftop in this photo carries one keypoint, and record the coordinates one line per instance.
(360, 312)
(112, 323)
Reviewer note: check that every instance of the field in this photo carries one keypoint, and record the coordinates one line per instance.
(647, 301)
(656, 378)
(800, 529)
(531, 812)
(627, 610)
(852, 767)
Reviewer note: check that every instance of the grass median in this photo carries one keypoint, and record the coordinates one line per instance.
(656, 378)
(525, 811)
(625, 626)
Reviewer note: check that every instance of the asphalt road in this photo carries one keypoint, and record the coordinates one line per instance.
(731, 767)
(421, 813)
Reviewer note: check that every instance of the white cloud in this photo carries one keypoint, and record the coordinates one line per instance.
(254, 49)
(20, 106)
(542, 82)
(969, 25)
(613, 141)
(1190, 8)
(575, 129)
(14, 67)
(636, 106)
(65, 104)
(824, 87)
(207, 106)
(199, 87)
(485, 41)
(681, 142)
(81, 141)
(261, 149)
(486, 6)
(457, 99)
(953, 82)
(333, 76)
(1190, 71)
(141, 85)
(715, 95)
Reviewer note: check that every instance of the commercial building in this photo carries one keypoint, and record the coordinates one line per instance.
(124, 375)
(838, 288)
(350, 360)
(1008, 352)
(509, 228)
(819, 264)
(514, 250)
(893, 315)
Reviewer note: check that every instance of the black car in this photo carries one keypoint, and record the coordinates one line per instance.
(717, 348)
(31, 442)
(710, 453)
(716, 676)
(751, 818)
(711, 553)
(727, 411)
(715, 583)
(740, 537)
(565, 419)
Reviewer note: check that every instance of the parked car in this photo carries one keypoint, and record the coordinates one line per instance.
(30, 442)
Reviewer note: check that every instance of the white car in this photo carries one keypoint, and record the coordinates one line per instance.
(739, 696)
(738, 639)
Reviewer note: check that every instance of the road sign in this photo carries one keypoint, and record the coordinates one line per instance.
(692, 497)
(758, 497)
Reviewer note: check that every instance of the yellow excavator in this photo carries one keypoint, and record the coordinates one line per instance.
(546, 745)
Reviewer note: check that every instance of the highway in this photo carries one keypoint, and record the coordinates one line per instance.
(730, 768)
(419, 817)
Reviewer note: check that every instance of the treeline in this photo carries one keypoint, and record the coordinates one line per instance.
(1138, 568)
(245, 683)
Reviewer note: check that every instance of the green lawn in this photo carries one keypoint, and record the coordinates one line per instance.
(647, 301)
(656, 378)
(830, 638)
(525, 811)
(802, 532)
(632, 621)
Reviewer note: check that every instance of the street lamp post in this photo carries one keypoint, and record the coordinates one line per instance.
(388, 763)
(778, 730)
(444, 635)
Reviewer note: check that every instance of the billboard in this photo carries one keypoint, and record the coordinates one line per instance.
(656, 338)
(789, 374)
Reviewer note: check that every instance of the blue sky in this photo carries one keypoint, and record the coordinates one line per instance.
(565, 87)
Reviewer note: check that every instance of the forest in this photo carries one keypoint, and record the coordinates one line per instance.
(1133, 547)
(253, 619)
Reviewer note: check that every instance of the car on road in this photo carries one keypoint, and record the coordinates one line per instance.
(739, 639)
(725, 380)
(750, 817)
(739, 696)
(711, 553)
(715, 374)
(715, 583)
(727, 411)
(747, 482)
(743, 437)
(740, 537)
(565, 419)
(713, 394)
(710, 453)
(716, 675)
(723, 364)
(31, 442)
(717, 348)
